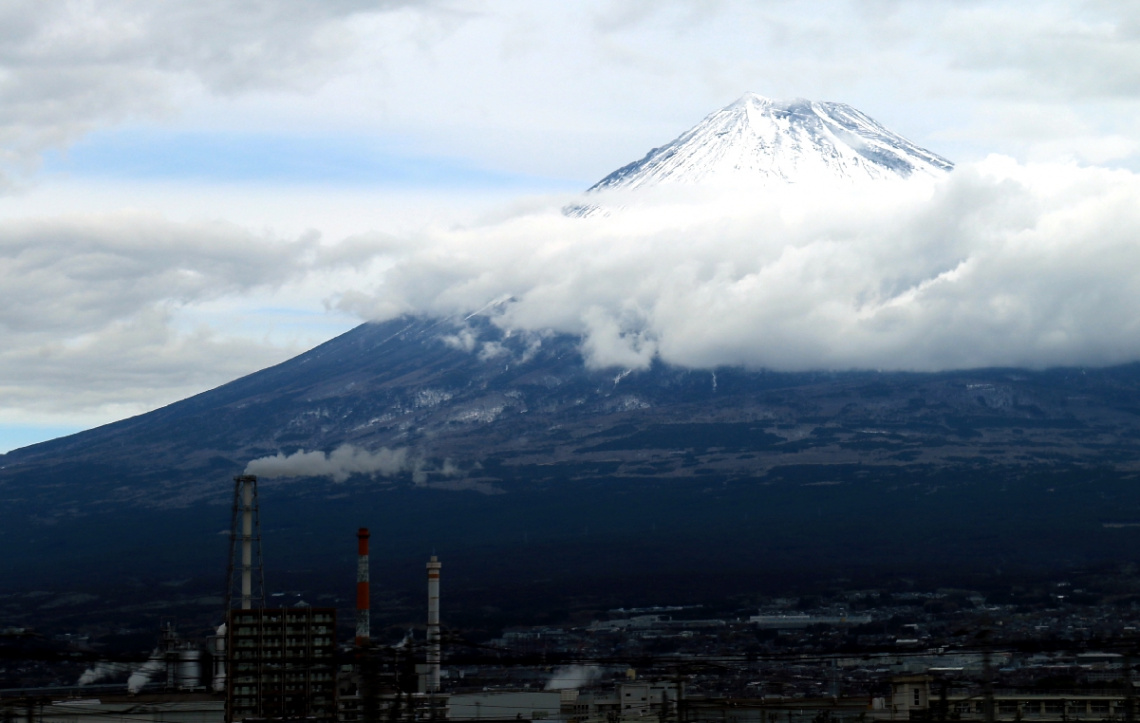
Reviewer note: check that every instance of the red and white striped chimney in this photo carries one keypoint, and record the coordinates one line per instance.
(433, 647)
(363, 623)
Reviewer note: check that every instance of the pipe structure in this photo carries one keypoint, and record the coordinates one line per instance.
(433, 652)
(363, 622)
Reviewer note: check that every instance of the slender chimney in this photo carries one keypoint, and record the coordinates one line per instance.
(245, 586)
(363, 624)
(247, 486)
(433, 655)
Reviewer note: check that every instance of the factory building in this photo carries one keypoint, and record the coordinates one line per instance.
(915, 697)
(386, 683)
(281, 663)
(626, 701)
(267, 663)
(185, 708)
(798, 622)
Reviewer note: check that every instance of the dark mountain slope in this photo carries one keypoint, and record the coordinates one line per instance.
(522, 453)
(410, 383)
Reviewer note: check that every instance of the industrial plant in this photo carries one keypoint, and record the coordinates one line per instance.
(857, 657)
(262, 663)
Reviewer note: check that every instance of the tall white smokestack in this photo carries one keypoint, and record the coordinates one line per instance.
(363, 623)
(245, 549)
(433, 656)
(216, 644)
(247, 543)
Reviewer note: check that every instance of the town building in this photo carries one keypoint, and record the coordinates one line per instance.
(920, 697)
(280, 664)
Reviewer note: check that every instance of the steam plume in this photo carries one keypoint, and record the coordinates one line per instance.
(102, 671)
(338, 465)
(573, 676)
(142, 676)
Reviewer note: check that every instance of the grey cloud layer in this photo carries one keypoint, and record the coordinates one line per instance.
(88, 318)
(68, 67)
(1078, 50)
(74, 274)
(498, 80)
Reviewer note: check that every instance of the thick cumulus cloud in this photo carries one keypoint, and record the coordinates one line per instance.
(999, 264)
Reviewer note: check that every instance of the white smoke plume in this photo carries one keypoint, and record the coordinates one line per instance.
(102, 671)
(142, 676)
(999, 264)
(338, 465)
(573, 676)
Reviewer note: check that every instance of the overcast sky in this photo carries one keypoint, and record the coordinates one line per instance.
(191, 190)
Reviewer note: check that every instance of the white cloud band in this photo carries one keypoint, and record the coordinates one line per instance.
(1001, 264)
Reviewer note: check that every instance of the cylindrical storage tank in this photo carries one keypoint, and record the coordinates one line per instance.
(188, 674)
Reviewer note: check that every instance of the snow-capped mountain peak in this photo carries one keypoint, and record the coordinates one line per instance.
(766, 141)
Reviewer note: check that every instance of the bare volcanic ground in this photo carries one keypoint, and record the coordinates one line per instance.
(518, 452)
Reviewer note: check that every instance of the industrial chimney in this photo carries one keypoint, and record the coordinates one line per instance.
(248, 487)
(245, 566)
(433, 656)
(363, 623)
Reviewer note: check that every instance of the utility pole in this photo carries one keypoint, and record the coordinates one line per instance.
(942, 704)
(1129, 691)
(681, 711)
(988, 682)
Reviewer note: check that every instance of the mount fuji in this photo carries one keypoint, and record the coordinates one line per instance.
(666, 485)
(766, 141)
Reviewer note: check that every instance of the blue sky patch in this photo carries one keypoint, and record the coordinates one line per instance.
(149, 154)
(15, 436)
